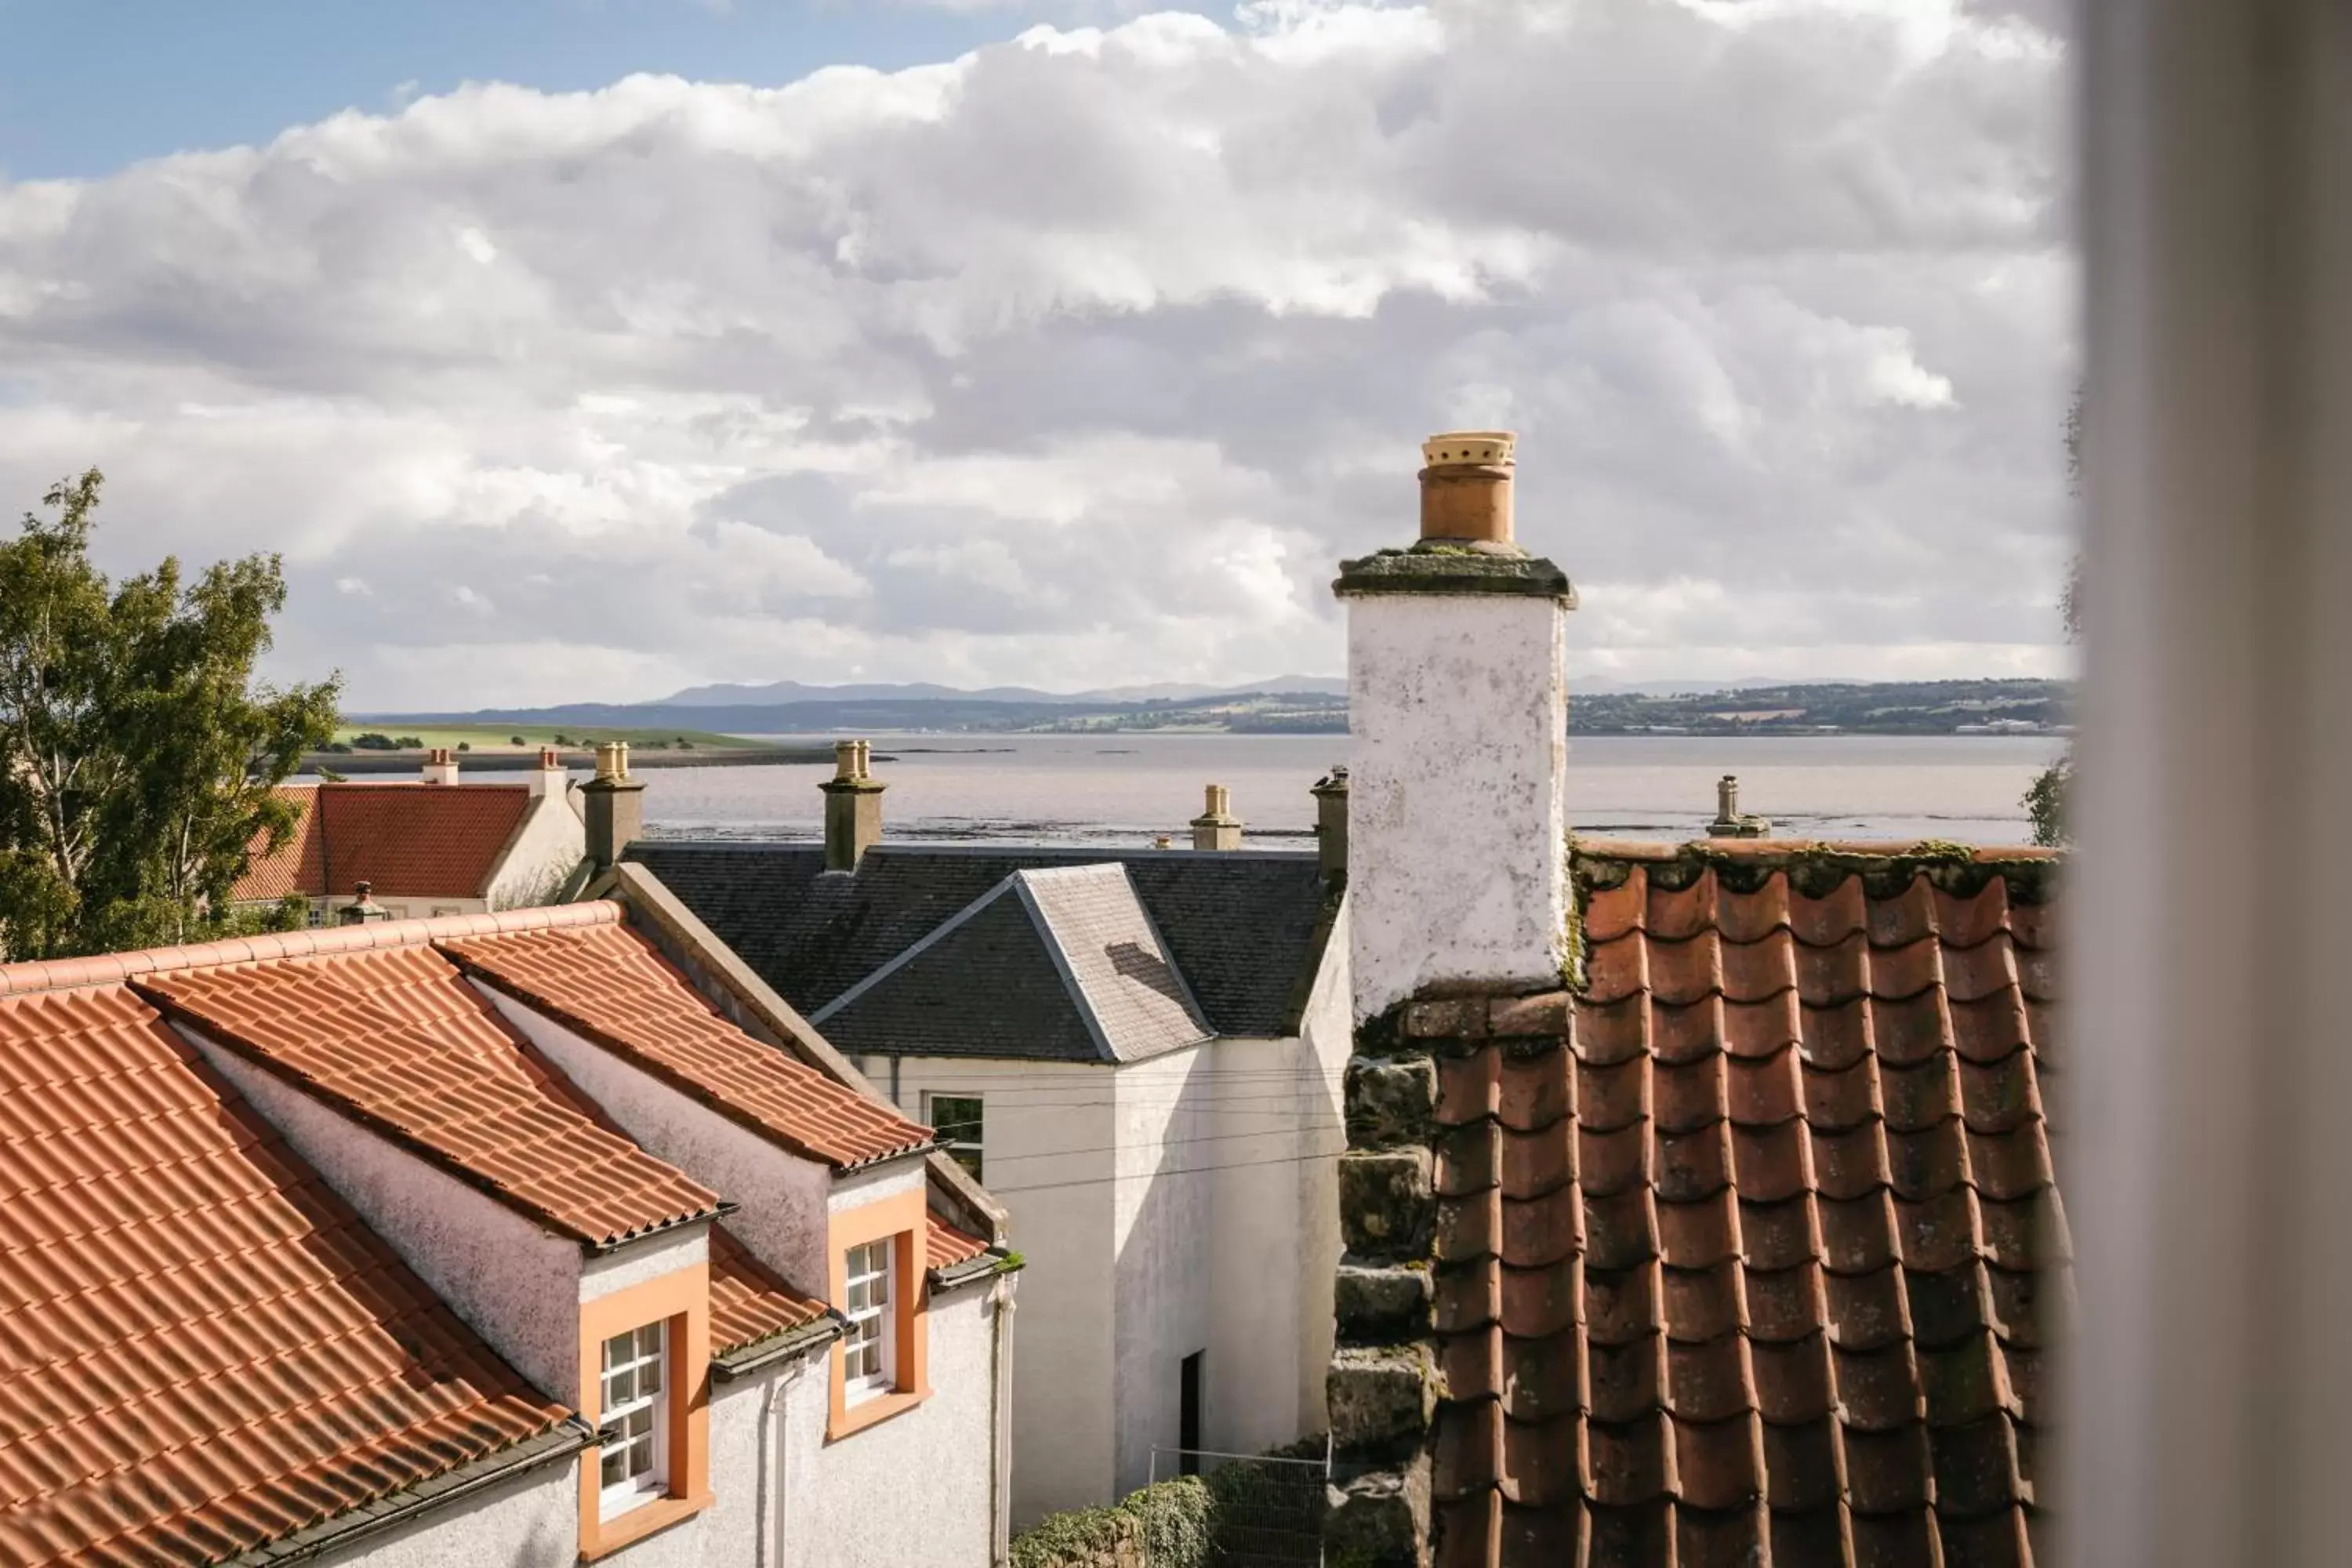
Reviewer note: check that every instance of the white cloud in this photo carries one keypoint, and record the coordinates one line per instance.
(1093, 351)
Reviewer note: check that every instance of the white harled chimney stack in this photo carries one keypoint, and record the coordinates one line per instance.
(441, 766)
(1457, 700)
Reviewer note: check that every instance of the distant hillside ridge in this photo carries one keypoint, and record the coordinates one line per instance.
(1884, 708)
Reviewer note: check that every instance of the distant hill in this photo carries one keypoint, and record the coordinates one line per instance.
(781, 692)
(1310, 705)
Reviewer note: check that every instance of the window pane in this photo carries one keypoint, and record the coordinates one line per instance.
(881, 1289)
(649, 1339)
(641, 1422)
(641, 1457)
(620, 1387)
(619, 1349)
(615, 1467)
(649, 1379)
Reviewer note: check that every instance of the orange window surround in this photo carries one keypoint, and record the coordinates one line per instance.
(900, 1219)
(682, 1300)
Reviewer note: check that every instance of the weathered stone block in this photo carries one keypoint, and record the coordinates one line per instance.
(1392, 1101)
(1381, 1399)
(1545, 1014)
(1388, 1209)
(1379, 1521)
(1460, 1018)
(1377, 1305)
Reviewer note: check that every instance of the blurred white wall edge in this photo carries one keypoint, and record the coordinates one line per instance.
(2210, 1095)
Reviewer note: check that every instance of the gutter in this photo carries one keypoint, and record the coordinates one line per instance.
(761, 1354)
(980, 1266)
(572, 1437)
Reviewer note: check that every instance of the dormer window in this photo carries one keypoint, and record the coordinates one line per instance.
(870, 1351)
(633, 1437)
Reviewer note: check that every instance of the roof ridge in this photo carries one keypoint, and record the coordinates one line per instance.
(1779, 851)
(907, 954)
(116, 968)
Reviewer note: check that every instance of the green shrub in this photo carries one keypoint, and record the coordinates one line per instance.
(1172, 1521)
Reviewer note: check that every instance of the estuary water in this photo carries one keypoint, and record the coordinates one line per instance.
(1127, 789)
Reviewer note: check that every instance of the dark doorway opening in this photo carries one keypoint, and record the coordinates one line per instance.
(1188, 1414)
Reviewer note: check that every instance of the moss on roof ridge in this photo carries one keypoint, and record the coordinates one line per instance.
(1816, 868)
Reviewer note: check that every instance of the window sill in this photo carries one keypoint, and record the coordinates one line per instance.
(610, 1535)
(872, 1412)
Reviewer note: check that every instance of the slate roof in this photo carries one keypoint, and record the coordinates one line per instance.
(1061, 963)
(606, 983)
(201, 1347)
(1244, 930)
(409, 840)
(1750, 1251)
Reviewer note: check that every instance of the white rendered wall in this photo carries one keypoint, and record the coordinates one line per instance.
(914, 1489)
(1162, 1217)
(549, 848)
(1048, 1130)
(1258, 1103)
(1456, 827)
(606, 1273)
(783, 1220)
(531, 1521)
(516, 1284)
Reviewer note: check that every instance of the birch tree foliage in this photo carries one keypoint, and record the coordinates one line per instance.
(139, 753)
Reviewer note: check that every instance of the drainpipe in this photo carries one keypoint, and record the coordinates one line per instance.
(1000, 1437)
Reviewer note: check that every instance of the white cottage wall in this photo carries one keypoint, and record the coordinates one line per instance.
(1327, 1039)
(1457, 828)
(547, 848)
(783, 1218)
(530, 1521)
(512, 1282)
(1162, 1208)
(1048, 1130)
(912, 1490)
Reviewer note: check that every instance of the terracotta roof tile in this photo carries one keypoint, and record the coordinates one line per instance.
(201, 1347)
(945, 1246)
(748, 1302)
(1756, 1259)
(395, 1038)
(410, 840)
(606, 983)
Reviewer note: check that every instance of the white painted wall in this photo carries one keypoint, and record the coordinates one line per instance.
(1163, 1240)
(516, 1284)
(914, 1489)
(531, 1521)
(1456, 825)
(1328, 1038)
(550, 845)
(604, 1274)
(1046, 1155)
(783, 1218)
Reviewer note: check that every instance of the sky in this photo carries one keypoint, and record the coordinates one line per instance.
(585, 350)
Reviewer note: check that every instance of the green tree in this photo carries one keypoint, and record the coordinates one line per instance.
(138, 754)
(2045, 798)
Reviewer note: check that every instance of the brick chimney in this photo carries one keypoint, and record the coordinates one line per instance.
(440, 766)
(614, 805)
(1217, 827)
(549, 777)
(853, 806)
(1457, 698)
(1330, 794)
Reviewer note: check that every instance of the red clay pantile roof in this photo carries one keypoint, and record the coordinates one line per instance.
(945, 1246)
(397, 1039)
(748, 1301)
(1756, 1259)
(411, 840)
(201, 1347)
(607, 984)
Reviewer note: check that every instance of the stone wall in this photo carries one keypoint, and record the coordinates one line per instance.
(1386, 1384)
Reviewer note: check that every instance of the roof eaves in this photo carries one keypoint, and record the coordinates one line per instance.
(783, 1345)
(572, 1436)
(980, 1266)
